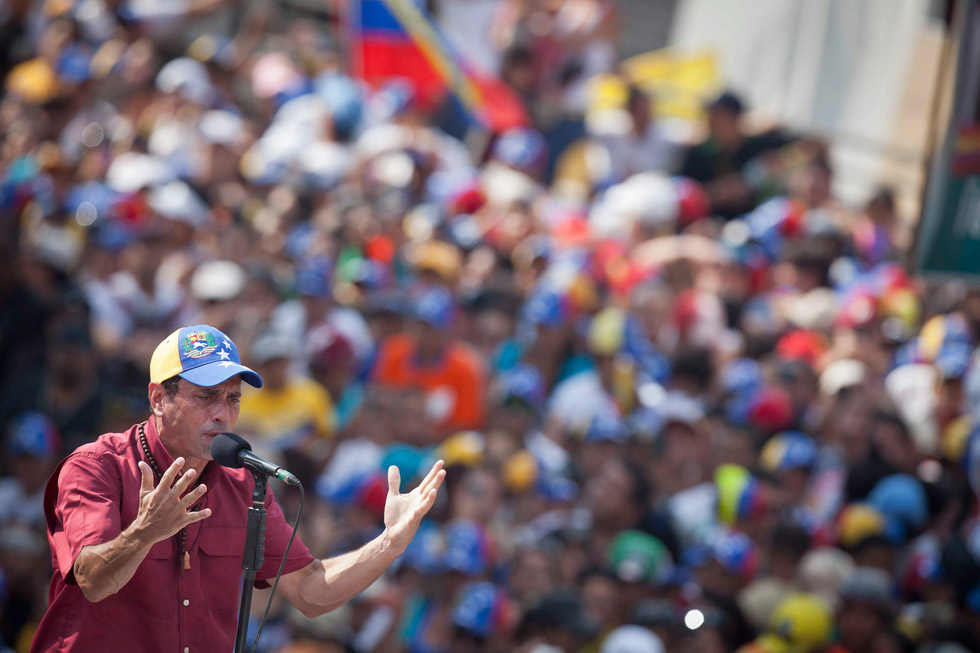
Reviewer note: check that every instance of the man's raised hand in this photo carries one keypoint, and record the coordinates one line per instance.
(165, 509)
(404, 512)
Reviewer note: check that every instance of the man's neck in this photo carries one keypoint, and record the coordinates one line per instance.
(189, 463)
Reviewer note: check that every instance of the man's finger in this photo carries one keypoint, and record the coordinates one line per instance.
(427, 502)
(198, 515)
(394, 479)
(168, 476)
(433, 483)
(430, 477)
(193, 496)
(146, 477)
(437, 481)
(184, 481)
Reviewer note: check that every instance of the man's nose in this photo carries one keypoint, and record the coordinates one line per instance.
(221, 413)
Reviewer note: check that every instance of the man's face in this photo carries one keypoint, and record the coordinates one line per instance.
(195, 415)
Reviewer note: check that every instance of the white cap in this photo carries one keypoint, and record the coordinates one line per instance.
(132, 171)
(649, 199)
(822, 571)
(324, 163)
(188, 78)
(176, 201)
(221, 127)
(912, 389)
(217, 281)
(631, 639)
(842, 374)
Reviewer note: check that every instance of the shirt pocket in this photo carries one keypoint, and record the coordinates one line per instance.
(221, 568)
(152, 588)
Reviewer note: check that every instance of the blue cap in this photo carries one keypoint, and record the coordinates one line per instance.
(435, 306)
(606, 427)
(467, 548)
(902, 500)
(741, 376)
(545, 307)
(313, 277)
(522, 148)
(524, 382)
(74, 63)
(32, 434)
(200, 354)
(478, 608)
(788, 450)
(736, 553)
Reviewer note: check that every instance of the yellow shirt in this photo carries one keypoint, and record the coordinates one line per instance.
(289, 417)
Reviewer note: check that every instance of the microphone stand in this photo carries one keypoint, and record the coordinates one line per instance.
(252, 557)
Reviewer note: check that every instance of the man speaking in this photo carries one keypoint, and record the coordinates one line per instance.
(147, 534)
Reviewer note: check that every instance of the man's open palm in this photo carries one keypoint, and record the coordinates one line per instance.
(403, 512)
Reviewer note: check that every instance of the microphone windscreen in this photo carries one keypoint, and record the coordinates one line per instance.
(225, 448)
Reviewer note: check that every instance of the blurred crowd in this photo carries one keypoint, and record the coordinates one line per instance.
(687, 400)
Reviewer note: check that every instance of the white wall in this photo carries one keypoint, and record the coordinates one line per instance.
(839, 68)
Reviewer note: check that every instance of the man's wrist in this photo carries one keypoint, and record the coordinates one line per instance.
(388, 547)
(136, 538)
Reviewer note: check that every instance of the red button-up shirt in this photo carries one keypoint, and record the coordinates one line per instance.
(92, 496)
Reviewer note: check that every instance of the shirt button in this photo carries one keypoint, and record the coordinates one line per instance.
(187, 649)
(186, 603)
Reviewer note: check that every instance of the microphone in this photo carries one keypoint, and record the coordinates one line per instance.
(232, 450)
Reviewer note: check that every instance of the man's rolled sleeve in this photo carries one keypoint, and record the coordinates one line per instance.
(86, 511)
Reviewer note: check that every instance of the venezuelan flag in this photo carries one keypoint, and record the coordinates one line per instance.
(398, 39)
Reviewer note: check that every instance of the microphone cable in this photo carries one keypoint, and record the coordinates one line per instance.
(282, 565)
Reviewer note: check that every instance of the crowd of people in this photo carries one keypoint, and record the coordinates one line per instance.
(687, 400)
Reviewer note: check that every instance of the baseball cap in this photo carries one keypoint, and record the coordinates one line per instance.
(188, 78)
(435, 306)
(637, 556)
(606, 426)
(523, 383)
(469, 548)
(857, 522)
(546, 307)
(771, 410)
(33, 434)
(902, 500)
(200, 354)
(464, 448)
(631, 638)
(822, 570)
(736, 553)
(739, 493)
(607, 332)
(802, 620)
(803, 345)
(480, 608)
(788, 450)
(869, 585)
(522, 148)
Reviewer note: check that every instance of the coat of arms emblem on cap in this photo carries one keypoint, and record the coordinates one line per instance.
(198, 344)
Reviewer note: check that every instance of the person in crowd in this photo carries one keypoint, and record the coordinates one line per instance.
(127, 519)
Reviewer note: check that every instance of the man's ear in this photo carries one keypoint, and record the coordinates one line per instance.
(157, 395)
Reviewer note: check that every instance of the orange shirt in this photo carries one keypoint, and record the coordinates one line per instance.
(460, 375)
